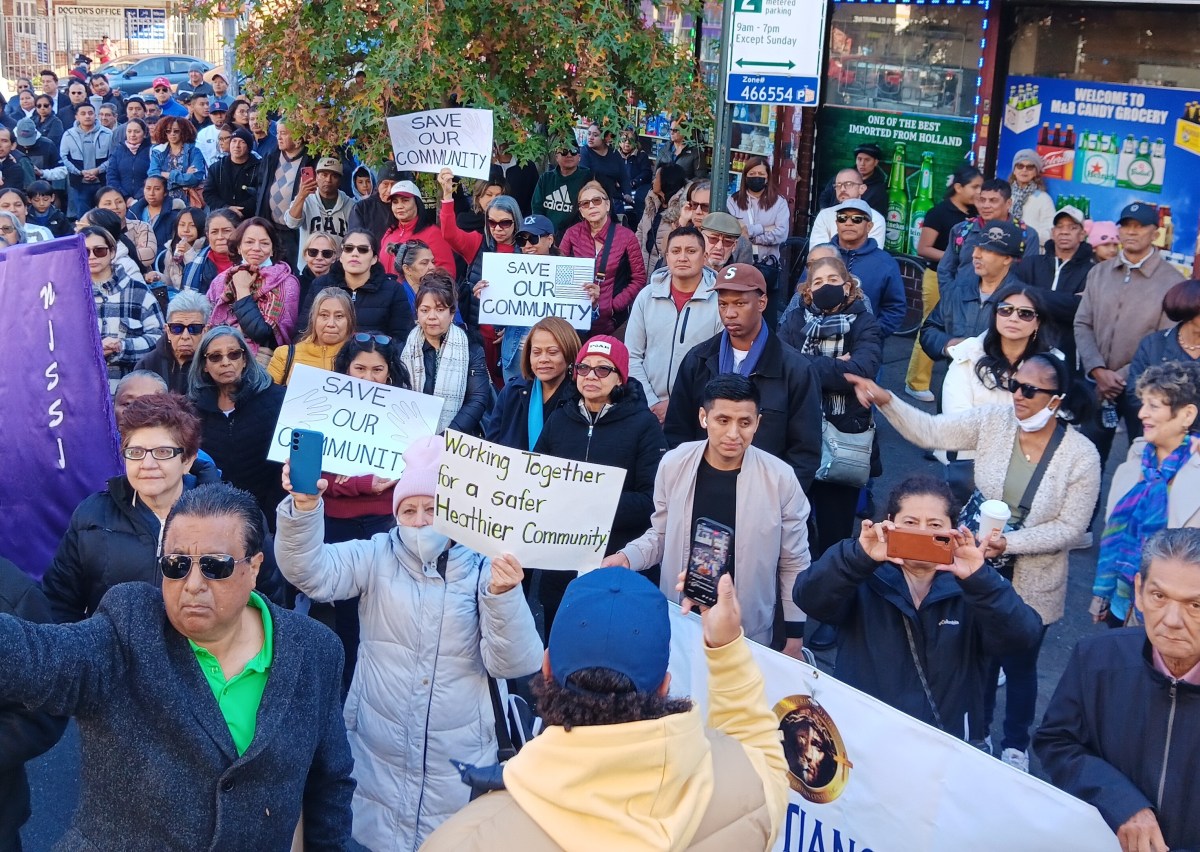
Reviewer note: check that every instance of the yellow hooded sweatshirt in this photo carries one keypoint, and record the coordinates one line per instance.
(642, 785)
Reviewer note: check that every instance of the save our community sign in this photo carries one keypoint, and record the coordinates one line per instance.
(775, 50)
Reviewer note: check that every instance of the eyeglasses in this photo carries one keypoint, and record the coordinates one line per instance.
(720, 239)
(97, 251)
(214, 566)
(603, 371)
(848, 184)
(1027, 390)
(852, 218)
(500, 223)
(156, 453)
(523, 240)
(161, 89)
(7, 230)
(379, 339)
(355, 248)
(596, 201)
(217, 357)
(180, 328)
(325, 253)
(696, 205)
(1004, 309)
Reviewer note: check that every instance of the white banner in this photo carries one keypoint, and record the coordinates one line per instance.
(869, 778)
(455, 139)
(551, 513)
(367, 426)
(523, 288)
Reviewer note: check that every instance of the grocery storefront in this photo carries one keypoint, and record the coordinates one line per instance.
(1109, 95)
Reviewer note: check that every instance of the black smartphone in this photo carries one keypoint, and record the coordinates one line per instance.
(305, 460)
(712, 546)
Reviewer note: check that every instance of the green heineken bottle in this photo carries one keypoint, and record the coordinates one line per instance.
(897, 210)
(921, 204)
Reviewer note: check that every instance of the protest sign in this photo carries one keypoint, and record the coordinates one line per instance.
(551, 513)
(455, 139)
(523, 288)
(866, 777)
(58, 417)
(367, 426)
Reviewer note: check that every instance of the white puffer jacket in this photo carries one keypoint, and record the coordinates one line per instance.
(420, 690)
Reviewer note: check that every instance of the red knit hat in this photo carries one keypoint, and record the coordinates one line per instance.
(610, 348)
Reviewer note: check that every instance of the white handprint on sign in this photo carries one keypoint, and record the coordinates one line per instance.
(305, 410)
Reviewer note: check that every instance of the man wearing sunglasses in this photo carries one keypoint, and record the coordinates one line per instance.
(187, 314)
(320, 207)
(847, 185)
(205, 710)
(723, 241)
(557, 190)
(962, 311)
(877, 271)
(167, 105)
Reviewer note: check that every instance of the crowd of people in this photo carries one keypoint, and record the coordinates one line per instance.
(222, 254)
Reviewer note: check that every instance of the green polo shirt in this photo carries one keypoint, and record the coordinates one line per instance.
(240, 696)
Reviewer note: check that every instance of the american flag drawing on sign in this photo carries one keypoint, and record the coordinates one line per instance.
(570, 280)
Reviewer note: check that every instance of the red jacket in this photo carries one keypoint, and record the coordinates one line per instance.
(399, 234)
(625, 267)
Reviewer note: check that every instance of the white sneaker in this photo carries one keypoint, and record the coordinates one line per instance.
(1003, 679)
(1016, 759)
(919, 395)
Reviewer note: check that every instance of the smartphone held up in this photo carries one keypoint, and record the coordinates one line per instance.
(712, 551)
(304, 460)
(935, 546)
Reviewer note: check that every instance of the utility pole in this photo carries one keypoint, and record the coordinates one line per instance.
(229, 34)
(723, 131)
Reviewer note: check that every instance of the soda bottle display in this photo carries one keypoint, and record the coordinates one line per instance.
(922, 203)
(897, 209)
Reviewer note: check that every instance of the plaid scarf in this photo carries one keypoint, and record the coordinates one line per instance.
(269, 301)
(1137, 516)
(825, 334)
(1021, 194)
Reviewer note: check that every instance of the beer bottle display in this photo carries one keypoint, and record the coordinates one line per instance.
(922, 203)
(897, 209)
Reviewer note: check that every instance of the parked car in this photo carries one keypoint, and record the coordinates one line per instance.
(131, 75)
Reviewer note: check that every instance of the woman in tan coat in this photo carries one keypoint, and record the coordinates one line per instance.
(1011, 444)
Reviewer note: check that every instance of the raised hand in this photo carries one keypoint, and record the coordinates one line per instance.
(304, 502)
(507, 573)
(867, 391)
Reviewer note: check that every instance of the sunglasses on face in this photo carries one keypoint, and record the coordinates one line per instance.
(217, 357)
(214, 566)
(97, 251)
(43, 106)
(1027, 390)
(523, 240)
(500, 223)
(161, 89)
(7, 229)
(1004, 309)
(378, 339)
(603, 371)
(591, 202)
(180, 328)
(313, 252)
(355, 249)
(696, 205)
(852, 218)
(721, 239)
(156, 453)
(568, 153)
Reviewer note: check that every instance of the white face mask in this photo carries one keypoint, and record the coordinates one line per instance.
(427, 543)
(1036, 422)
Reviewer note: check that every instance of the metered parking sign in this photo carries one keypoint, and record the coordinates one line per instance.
(775, 49)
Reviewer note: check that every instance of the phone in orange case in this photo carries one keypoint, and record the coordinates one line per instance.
(936, 546)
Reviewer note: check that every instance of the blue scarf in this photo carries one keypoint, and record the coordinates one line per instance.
(536, 422)
(725, 364)
(1136, 516)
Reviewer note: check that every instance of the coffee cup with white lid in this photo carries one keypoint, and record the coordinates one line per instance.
(993, 516)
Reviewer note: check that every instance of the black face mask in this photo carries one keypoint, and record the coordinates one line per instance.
(756, 184)
(828, 298)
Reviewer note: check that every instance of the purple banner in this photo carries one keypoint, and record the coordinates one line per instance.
(59, 440)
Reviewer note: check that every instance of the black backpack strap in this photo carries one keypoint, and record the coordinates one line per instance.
(287, 368)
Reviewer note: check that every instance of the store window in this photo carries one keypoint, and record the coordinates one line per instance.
(1140, 46)
(920, 59)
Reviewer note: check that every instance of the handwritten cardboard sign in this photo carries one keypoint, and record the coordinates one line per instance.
(551, 513)
(436, 139)
(367, 426)
(523, 288)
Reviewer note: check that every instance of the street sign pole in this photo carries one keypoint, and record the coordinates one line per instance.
(723, 132)
(229, 34)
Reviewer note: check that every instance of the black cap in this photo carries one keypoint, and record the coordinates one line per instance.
(870, 149)
(1140, 212)
(1003, 238)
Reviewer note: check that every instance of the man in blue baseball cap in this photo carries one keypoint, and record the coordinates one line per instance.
(621, 764)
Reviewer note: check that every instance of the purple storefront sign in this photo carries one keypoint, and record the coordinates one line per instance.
(59, 441)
